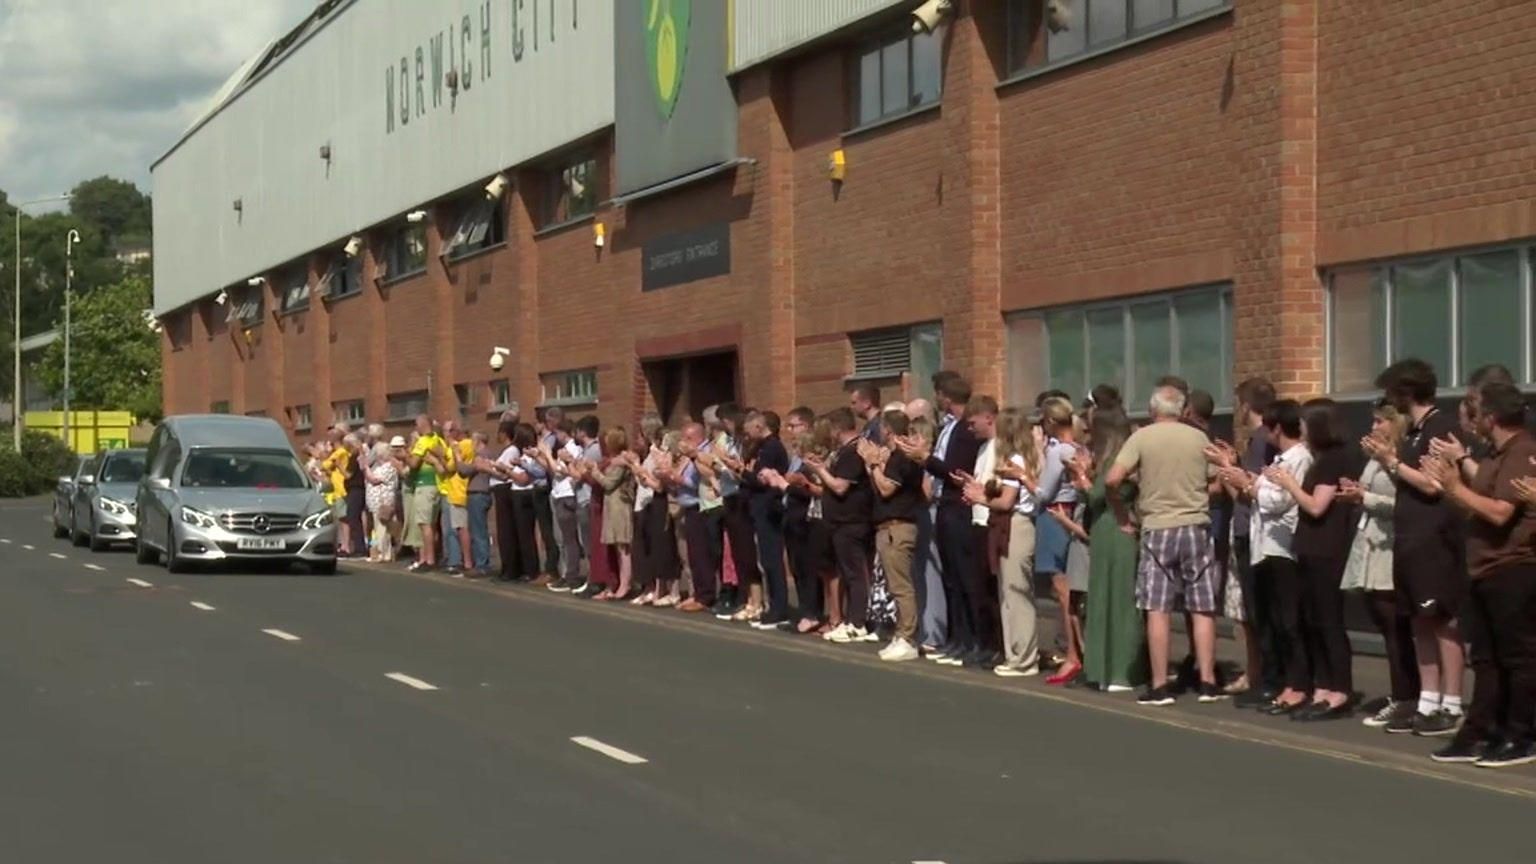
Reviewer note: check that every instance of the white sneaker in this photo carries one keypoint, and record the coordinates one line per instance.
(1003, 670)
(835, 634)
(850, 634)
(1119, 688)
(870, 636)
(900, 650)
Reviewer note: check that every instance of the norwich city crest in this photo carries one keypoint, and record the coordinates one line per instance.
(666, 49)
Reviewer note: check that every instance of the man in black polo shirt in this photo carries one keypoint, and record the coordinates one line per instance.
(1500, 617)
(898, 486)
(1428, 551)
(846, 504)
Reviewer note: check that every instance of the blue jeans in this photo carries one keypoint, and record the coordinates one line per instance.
(480, 530)
(452, 557)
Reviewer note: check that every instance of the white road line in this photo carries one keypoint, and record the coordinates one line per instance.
(609, 750)
(29, 547)
(97, 567)
(4, 540)
(141, 583)
(58, 555)
(283, 635)
(409, 681)
(198, 604)
(927, 862)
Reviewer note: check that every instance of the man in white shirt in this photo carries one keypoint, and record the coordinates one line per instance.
(563, 451)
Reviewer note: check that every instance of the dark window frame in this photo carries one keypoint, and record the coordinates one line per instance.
(560, 207)
(471, 212)
(402, 406)
(878, 43)
(394, 245)
(1027, 53)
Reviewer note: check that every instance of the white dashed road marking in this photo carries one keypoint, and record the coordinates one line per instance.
(409, 681)
(140, 583)
(283, 635)
(609, 750)
(5, 541)
(58, 555)
(29, 547)
(97, 567)
(197, 604)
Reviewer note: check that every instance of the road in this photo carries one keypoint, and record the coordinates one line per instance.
(250, 718)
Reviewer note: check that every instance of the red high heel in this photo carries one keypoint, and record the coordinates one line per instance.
(1065, 675)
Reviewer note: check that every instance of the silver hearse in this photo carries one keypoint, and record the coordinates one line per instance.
(103, 511)
(230, 489)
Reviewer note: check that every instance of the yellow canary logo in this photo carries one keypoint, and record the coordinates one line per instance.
(666, 41)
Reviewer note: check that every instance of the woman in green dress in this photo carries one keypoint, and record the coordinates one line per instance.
(1114, 640)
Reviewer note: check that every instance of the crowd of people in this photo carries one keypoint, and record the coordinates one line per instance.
(928, 526)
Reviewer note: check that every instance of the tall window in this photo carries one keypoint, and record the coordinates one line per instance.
(1455, 312)
(350, 411)
(570, 190)
(220, 407)
(896, 74)
(295, 288)
(481, 226)
(252, 304)
(302, 417)
(1042, 33)
(501, 395)
(343, 278)
(574, 387)
(883, 356)
(405, 250)
(464, 395)
(178, 326)
(1128, 343)
(405, 406)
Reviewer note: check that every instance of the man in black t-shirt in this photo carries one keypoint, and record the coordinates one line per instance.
(1428, 550)
(899, 498)
(846, 504)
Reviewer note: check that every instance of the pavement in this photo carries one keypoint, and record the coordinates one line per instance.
(378, 716)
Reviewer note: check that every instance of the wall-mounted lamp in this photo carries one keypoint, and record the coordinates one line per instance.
(416, 216)
(150, 320)
(599, 234)
(354, 246)
(256, 281)
(837, 166)
(221, 298)
(927, 16)
(497, 186)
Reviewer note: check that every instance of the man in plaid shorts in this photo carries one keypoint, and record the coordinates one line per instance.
(1177, 569)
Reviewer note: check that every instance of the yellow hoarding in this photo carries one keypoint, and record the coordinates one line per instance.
(89, 431)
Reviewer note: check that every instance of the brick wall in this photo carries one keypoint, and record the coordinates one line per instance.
(1252, 147)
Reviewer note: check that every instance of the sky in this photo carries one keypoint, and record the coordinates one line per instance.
(93, 87)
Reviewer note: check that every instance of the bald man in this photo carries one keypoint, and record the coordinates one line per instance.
(919, 408)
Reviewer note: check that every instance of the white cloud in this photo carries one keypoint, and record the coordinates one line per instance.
(94, 87)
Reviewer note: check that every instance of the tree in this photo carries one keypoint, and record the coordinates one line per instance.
(114, 357)
(113, 209)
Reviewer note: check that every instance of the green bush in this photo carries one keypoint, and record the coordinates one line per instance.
(36, 469)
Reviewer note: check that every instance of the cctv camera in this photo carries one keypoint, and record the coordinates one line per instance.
(1058, 15)
(927, 16)
(354, 246)
(495, 188)
(255, 281)
(221, 298)
(497, 361)
(416, 216)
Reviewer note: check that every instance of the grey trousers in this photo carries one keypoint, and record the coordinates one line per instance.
(1016, 595)
(568, 534)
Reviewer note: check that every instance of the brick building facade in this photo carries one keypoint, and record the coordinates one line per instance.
(1296, 189)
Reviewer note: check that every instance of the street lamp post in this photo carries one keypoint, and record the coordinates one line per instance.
(69, 277)
(16, 345)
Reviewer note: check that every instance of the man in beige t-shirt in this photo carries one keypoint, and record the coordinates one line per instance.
(1177, 568)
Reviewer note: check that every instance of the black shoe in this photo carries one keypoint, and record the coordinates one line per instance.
(1509, 754)
(588, 591)
(1210, 693)
(561, 586)
(984, 659)
(1440, 724)
(1319, 711)
(1156, 697)
(1280, 709)
(1403, 723)
(1252, 698)
(1463, 748)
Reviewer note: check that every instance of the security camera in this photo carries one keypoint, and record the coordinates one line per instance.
(354, 246)
(927, 16)
(497, 186)
(255, 281)
(221, 298)
(499, 358)
(416, 216)
(1058, 15)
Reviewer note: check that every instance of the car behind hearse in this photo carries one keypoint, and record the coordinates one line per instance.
(219, 489)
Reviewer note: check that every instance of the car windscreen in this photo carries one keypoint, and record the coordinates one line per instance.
(122, 468)
(218, 468)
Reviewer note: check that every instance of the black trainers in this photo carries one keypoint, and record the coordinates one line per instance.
(1390, 713)
(1463, 748)
(1440, 724)
(1403, 723)
(1156, 697)
(1210, 693)
(1508, 755)
(561, 586)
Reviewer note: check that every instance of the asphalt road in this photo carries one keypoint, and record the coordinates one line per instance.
(139, 727)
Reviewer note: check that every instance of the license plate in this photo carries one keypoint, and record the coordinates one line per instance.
(262, 544)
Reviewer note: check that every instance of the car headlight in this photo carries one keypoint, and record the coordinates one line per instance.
(115, 507)
(317, 520)
(198, 519)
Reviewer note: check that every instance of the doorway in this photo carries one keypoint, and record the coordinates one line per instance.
(682, 387)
